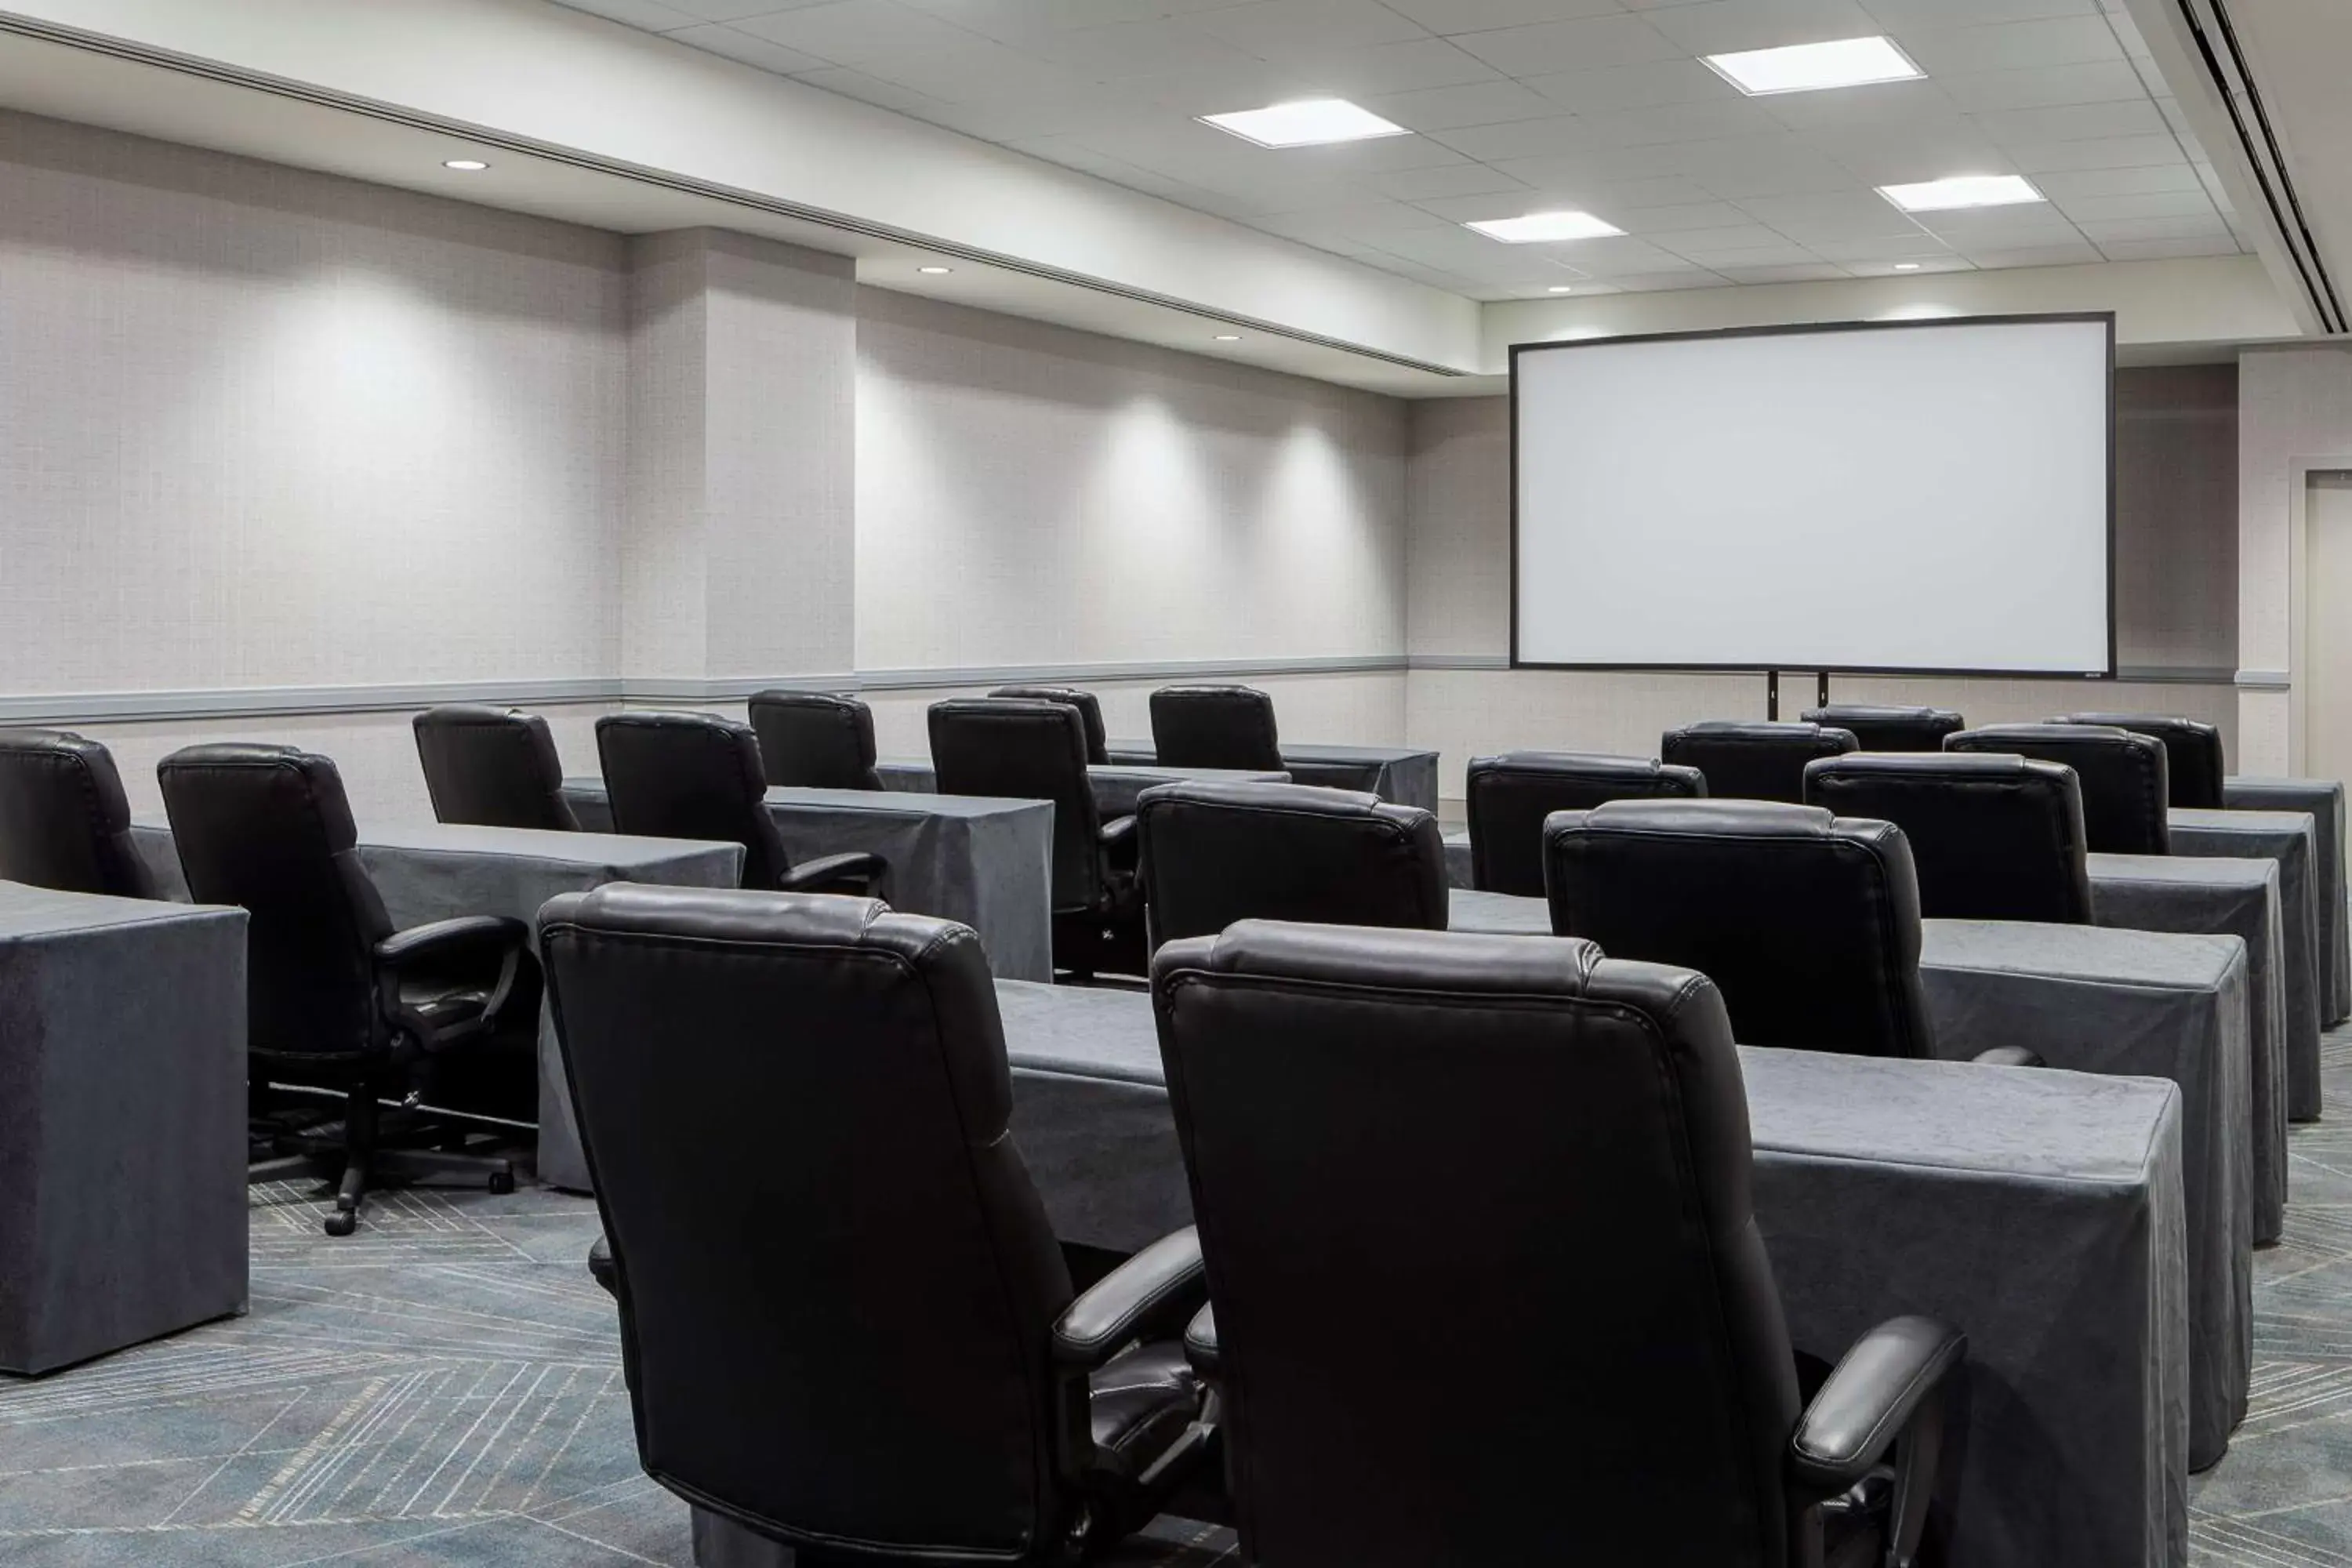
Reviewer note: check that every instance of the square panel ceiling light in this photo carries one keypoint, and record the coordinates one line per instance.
(1306, 122)
(1962, 191)
(1809, 68)
(1533, 228)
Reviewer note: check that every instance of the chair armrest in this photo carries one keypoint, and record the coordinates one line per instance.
(1148, 1296)
(1117, 831)
(1891, 1375)
(481, 937)
(2008, 1056)
(600, 1265)
(1201, 1342)
(857, 871)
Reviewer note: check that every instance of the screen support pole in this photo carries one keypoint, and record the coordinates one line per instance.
(1820, 689)
(1771, 694)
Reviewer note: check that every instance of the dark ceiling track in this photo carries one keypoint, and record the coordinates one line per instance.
(392, 113)
(2225, 62)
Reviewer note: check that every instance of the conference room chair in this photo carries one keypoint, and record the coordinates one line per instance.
(1510, 796)
(2123, 777)
(336, 998)
(814, 740)
(2194, 766)
(693, 775)
(1027, 749)
(1089, 711)
(846, 1322)
(1808, 923)
(1214, 853)
(1743, 760)
(494, 767)
(1511, 1178)
(64, 820)
(1883, 728)
(1992, 837)
(1214, 727)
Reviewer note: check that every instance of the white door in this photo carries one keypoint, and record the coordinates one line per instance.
(2327, 623)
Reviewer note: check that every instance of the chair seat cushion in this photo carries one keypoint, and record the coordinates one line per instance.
(444, 1003)
(1143, 1398)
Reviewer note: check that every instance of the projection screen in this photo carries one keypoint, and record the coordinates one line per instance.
(1915, 496)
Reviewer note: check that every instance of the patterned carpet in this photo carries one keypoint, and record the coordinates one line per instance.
(445, 1389)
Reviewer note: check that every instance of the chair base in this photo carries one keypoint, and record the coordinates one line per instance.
(353, 1157)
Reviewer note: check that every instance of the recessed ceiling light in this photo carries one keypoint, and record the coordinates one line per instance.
(1809, 68)
(1228, 337)
(935, 272)
(1533, 228)
(1560, 289)
(1906, 267)
(464, 165)
(1962, 191)
(1305, 122)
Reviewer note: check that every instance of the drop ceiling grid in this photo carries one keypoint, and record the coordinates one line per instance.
(1525, 105)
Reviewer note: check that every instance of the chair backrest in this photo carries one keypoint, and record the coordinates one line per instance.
(1089, 712)
(1027, 749)
(1216, 853)
(1450, 1185)
(64, 820)
(836, 1283)
(1993, 838)
(1753, 762)
(1808, 923)
(2123, 778)
(268, 828)
(1510, 796)
(691, 775)
(1214, 727)
(492, 766)
(1881, 729)
(2194, 766)
(814, 740)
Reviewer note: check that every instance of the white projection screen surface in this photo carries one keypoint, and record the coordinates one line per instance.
(1921, 496)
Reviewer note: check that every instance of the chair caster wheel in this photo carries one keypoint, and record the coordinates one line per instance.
(342, 1222)
(502, 1180)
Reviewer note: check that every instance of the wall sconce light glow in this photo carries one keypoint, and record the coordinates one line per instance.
(1809, 68)
(1534, 228)
(1305, 123)
(464, 165)
(1962, 191)
(935, 272)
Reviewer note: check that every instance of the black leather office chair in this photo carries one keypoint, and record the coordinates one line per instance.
(492, 766)
(1214, 727)
(2123, 778)
(64, 820)
(844, 1319)
(1008, 747)
(1217, 853)
(1089, 712)
(335, 997)
(1993, 838)
(1512, 1178)
(1510, 796)
(1880, 729)
(2193, 763)
(814, 740)
(1808, 923)
(1753, 762)
(690, 775)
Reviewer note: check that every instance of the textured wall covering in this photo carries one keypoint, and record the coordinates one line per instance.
(2292, 405)
(1028, 494)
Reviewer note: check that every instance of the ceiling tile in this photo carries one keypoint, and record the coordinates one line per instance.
(2074, 122)
(732, 10)
(1445, 17)
(1659, 282)
(1721, 26)
(1277, 29)
(1881, 104)
(737, 45)
(2207, 226)
(1677, 122)
(1654, 84)
(1761, 166)
(2073, 255)
(1687, 218)
(2060, 41)
(2063, 184)
(1135, 49)
(2127, 33)
(1916, 247)
(1782, 254)
(1892, 155)
(645, 14)
(1859, 213)
(1922, 265)
(1469, 103)
(1898, 15)
(1455, 180)
(2167, 249)
(1592, 44)
(2106, 81)
(851, 32)
(1614, 258)
(2099, 152)
(2192, 203)
(1800, 272)
(1395, 68)
(1520, 139)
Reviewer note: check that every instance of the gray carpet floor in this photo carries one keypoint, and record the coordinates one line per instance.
(445, 1388)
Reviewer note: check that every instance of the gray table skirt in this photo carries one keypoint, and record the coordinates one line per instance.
(1116, 786)
(2041, 1212)
(2123, 1003)
(428, 871)
(983, 862)
(2290, 837)
(1396, 773)
(2324, 799)
(122, 1203)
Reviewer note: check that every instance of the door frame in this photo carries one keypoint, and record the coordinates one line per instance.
(2300, 470)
